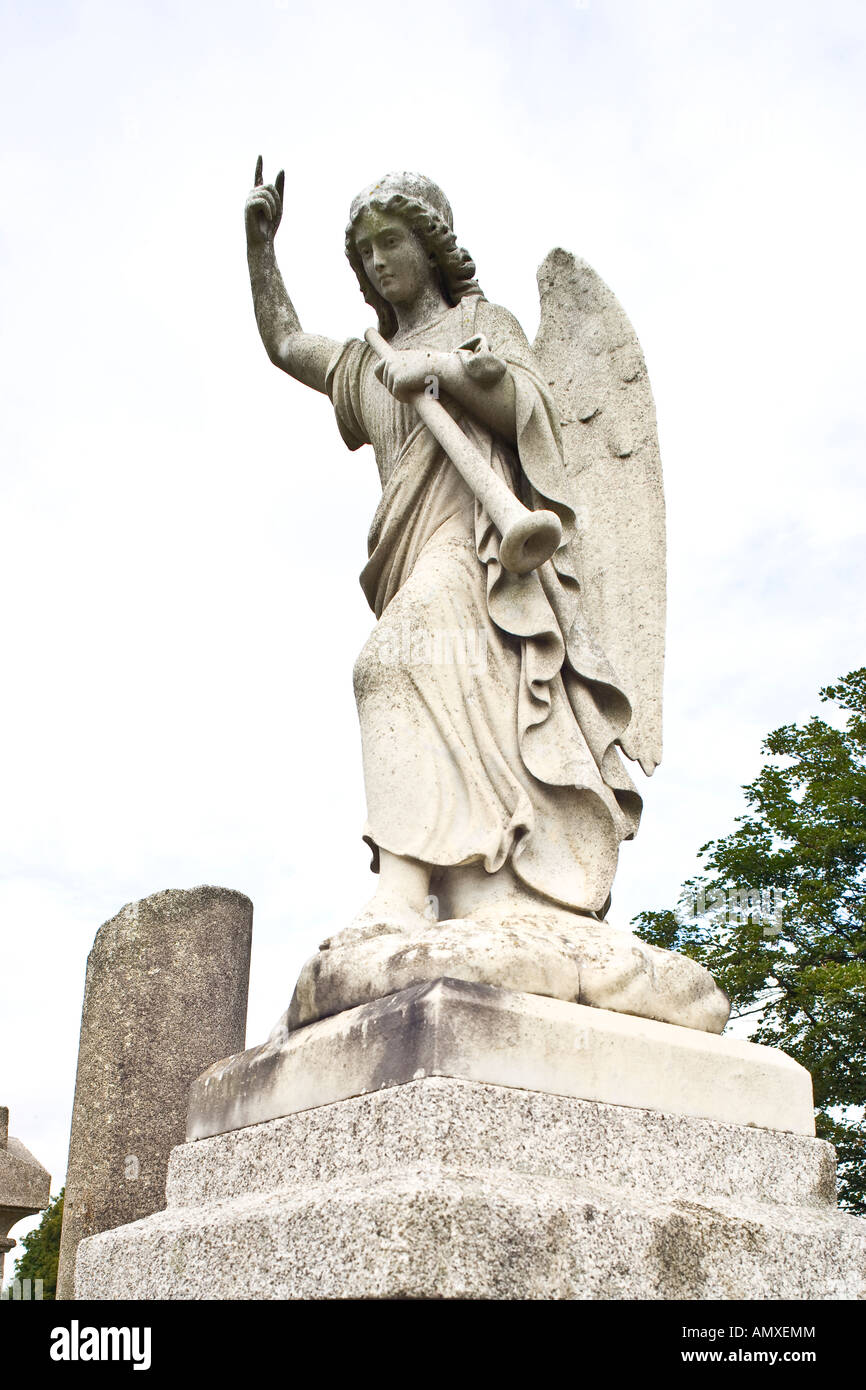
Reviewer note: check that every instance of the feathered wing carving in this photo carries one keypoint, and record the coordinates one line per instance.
(590, 355)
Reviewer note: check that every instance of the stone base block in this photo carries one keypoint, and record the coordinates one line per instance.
(479, 1033)
(445, 1188)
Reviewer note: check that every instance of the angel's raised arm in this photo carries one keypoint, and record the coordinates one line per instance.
(304, 356)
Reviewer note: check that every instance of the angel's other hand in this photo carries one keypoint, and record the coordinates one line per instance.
(264, 207)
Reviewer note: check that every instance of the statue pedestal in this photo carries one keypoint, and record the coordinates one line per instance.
(589, 1166)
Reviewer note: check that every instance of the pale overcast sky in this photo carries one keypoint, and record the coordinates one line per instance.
(182, 528)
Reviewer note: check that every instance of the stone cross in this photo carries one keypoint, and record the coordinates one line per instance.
(25, 1185)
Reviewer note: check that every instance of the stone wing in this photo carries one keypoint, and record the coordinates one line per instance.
(589, 354)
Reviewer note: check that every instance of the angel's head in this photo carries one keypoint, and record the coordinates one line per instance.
(411, 215)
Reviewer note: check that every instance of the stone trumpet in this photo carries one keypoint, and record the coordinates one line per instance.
(528, 538)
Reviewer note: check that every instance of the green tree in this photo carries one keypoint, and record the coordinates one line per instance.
(42, 1249)
(778, 915)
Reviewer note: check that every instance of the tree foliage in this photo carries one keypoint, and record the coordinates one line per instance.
(42, 1249)
(779, 915)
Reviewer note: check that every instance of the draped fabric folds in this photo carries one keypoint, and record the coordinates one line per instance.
(489, 715)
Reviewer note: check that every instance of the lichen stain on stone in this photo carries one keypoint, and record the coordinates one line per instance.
(677, 1251)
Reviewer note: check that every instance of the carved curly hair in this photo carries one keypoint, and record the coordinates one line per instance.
(455, 267)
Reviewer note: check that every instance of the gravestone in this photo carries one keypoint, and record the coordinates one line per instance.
(165, 995)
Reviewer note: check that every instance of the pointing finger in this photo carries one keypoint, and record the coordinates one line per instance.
(280, 184)
(258, 171)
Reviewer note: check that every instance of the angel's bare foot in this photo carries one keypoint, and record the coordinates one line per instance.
(384, 914)
(400, 903)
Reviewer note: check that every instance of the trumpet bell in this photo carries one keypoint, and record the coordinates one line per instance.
(529, 541)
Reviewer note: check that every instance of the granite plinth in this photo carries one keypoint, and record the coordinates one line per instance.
(444, 1188)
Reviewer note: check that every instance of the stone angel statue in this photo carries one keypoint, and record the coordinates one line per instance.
(496, 700)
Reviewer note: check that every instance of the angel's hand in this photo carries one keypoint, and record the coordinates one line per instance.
(408, 372)
(479, 362)
(264, 207)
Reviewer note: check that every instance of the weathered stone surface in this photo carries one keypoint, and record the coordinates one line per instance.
(446, 1188)
(25, 1186)
(589, 350)
(535, 950)
(165, 995)
(476, 1032)
(480, 1126)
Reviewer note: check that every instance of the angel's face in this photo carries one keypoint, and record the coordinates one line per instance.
(397, 266)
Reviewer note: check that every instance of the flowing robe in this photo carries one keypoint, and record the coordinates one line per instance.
(488, 713)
